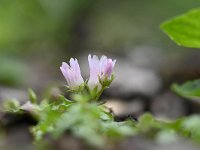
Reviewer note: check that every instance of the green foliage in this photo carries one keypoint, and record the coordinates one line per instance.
(82, 119)
(94, 124)
(190, 89)
(88, 121)
(191, 125)
(146, 121)
(184, 29)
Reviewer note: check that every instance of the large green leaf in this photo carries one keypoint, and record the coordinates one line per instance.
(184, 29)
(190, 89)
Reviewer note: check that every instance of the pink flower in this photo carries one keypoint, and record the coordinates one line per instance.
(72, 74)
(106, 67)
(99, 69)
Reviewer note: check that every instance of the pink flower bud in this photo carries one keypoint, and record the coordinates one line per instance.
(107, 68)
(72, 74)
(102, 69)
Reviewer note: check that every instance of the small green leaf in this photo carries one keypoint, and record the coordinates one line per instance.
(190, 89)
(32, 96)
(191, 125)
(145, 121)
(65, 100)
(184, 29)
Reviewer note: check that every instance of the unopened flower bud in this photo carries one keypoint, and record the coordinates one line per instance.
(72, 74)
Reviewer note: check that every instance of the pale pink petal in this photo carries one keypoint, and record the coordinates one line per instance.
(103, 60)
(94, 65)
(108, 68)
(65, 65)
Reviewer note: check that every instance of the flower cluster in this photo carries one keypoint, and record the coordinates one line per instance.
(101, 74)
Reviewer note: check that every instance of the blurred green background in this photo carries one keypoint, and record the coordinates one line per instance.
(37, 35)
